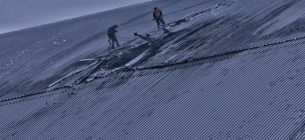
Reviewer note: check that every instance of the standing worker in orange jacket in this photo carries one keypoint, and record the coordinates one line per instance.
(158, 17)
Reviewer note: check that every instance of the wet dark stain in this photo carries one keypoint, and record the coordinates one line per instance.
(95, 124)
(64, 114)
(300, 70)
(148, 114)
(299, 130)
(14, 133)
(174, 97)
(99, 101)
(292, 77)
(108, 111)
(242, 68)
(145, 107)
(296, 58)
(219, 84)
(225, 72)
(89, 138)
(257, 114)
(293, 60)
(102, 85)
(115, 105)
(275, 82)
(261, 56)
(78, 112)
(273, 101)
(129, 123)
(214, 110)
(298, 85)
(37, 115)
(211, 137)
(216, 119)
(125, 131)
(210, 66)
(288, 106)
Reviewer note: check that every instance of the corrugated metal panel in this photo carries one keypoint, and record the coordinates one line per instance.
(220, 100)
(252, 93)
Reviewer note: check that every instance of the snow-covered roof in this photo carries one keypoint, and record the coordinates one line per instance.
(226, 69)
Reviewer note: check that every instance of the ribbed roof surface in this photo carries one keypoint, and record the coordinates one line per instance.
(251, 88)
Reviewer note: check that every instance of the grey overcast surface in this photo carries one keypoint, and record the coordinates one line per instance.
(20, 14)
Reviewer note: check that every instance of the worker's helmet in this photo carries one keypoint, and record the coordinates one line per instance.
(155, 8)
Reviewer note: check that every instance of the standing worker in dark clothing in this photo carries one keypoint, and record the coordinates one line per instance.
(158, 17)
(111, 34)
